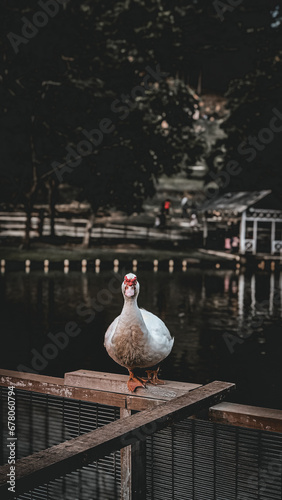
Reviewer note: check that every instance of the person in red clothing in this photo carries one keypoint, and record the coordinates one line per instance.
(166, 206)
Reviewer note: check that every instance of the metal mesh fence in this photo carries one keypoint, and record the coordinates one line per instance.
(191, 460)
(43, 421)
(202, 460)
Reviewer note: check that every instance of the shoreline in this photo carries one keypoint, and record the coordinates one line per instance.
(14, 258)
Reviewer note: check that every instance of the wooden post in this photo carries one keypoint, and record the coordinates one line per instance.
(138, 468)
(3, 263)
(125, 465)
(133, 468)
(66, 266)
(271, 294)
(241, 294)
(205, 231)
(243, 233)
(27, 266)
(273, 232)
(253, 294)
(83, 265)
(97, 266)
(255, 236)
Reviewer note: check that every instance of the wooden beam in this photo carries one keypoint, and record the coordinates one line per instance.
(44, 466)
(253, 417)
(116, 383)
(138, 470)
(273, 233)
(125, 466)
(255, 235)
(95, 388)
(243, 233)
(140, 404)
(55, 387)
(133, 468)
(205, 231)
(14, 374)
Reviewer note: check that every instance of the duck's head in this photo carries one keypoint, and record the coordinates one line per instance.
(130, 286)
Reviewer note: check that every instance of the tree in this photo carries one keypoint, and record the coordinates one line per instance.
(253, 128)
(57, 91)
(149, 138)
(91, 66)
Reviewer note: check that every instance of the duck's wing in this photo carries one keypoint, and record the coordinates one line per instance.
(110, 332)
(159, 334)
(155, 324)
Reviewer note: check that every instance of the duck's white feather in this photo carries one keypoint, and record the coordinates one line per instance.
(156, 346)
(111, 330)
(159, 335)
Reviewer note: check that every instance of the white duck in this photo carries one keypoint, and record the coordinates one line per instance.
(137, 338)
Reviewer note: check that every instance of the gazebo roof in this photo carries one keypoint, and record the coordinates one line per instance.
(234, 202)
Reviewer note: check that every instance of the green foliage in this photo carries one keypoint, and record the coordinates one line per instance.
(90, 54)
(66, 79)
(254, 129)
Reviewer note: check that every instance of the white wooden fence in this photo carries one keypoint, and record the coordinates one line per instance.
(12, 224)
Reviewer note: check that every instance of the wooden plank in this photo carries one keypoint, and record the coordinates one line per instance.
(125, 466)
(55, 387)
(243, 233)
(53, 462)
(138, 470)
(31, 376)
(253, 417)
(133, 468)
(140, 404)
(116, 383)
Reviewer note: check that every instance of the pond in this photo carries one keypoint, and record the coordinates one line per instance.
(227, 325)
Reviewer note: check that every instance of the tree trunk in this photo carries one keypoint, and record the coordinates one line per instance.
(87, 234)
(30, 196)
(40, 223)
(26, 238)
(51, 202)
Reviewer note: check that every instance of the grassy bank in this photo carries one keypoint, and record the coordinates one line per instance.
(40, 252)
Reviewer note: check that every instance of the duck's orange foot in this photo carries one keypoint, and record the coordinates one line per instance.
(134, 382)
(153, 377)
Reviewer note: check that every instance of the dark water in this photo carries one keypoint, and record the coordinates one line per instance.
(227, 326)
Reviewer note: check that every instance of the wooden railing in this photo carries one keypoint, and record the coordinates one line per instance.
(158, 406)
(161, 405)
(12, 224)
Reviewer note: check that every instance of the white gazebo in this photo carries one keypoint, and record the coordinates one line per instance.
(257, 214)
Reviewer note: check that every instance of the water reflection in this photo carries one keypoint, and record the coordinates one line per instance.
(199, 307)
